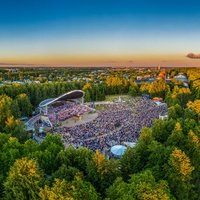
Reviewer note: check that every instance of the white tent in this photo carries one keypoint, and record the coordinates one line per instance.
(130, 144)
(158, 103)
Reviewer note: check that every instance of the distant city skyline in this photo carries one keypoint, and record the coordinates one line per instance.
(100, 32)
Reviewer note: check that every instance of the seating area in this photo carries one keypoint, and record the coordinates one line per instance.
(66, 111)
(117, 123)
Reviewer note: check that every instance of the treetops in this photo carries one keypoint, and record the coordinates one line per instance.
(159, 167)
(195, 106)
(163, 165)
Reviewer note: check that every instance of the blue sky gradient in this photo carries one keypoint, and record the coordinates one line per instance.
(104, 30)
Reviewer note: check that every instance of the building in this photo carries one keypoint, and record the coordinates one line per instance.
(183, 78)
(76, 96)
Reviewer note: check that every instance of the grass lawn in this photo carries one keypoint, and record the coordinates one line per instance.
(115, 97)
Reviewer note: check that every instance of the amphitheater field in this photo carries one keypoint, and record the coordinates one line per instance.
(85, 118)
(111, 124)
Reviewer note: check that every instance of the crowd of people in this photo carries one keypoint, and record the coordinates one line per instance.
(115, 124)
(66, 111)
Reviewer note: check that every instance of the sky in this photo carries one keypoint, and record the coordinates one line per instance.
(100, 32)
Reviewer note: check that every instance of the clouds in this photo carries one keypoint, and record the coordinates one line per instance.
(193, 56)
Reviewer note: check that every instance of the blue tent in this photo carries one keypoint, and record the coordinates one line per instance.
(118, 150)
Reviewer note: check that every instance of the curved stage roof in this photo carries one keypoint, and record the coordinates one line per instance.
(75, 94)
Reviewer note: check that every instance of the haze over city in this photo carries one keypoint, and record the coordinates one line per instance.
(100, 33)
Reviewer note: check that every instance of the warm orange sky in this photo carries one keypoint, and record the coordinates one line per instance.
(105, 59)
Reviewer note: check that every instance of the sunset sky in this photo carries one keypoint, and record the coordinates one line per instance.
(100, 32)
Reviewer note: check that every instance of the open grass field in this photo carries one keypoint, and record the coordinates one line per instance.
(116, 97)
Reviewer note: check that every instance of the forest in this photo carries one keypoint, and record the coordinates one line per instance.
(164, 164)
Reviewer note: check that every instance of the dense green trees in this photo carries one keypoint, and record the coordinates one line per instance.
(62, 168)
(36, 92)
(180, 174)
(8, 123)
(94, 92)
(5, 110)
(163, 165)
(133, 89)
(102, 172)
(169, 151)
(180, 96)
(157, 88)
(141, 186)
(16, 128)
(117, 84)
(75, 190)
(23, 180)
(24, 104)
(10, 150)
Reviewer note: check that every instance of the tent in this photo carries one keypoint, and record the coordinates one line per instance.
(158, 103)
(130, 144)
(118, 150)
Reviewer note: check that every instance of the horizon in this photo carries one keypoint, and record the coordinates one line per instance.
(101, 33)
